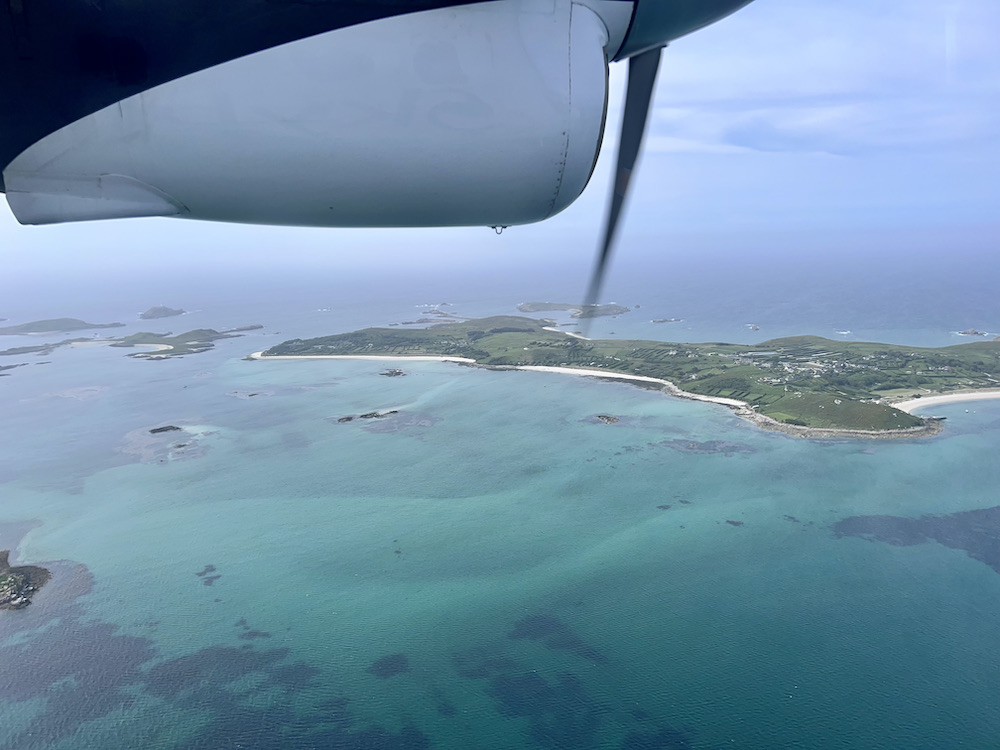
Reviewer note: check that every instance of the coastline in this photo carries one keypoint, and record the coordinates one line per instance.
(567, 333)
(373, 357)
(937, 399)
(741, 408)
(745, 411)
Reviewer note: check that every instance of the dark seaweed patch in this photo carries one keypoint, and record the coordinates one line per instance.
(560, 713)
(84, 671)
(556, 635)
(725, 447)
(482, 663)
(665, 739)
(250, 635)
(894, 530)
(390, 666)
(413, 423)
(976, 532)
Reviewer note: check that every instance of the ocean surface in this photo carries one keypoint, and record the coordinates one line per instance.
(492, 567)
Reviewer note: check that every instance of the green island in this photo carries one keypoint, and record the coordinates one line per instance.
(170, 345)
(578, 311)
(54, 325)
(803, 384)
(18, 585)
(160, 311)
(17, 351)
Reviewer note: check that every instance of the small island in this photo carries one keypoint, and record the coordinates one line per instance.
(803, 385)
(160, 311)
(18, 585)
(167, 345)
(578, 311)
(18, 351)
(54, 325)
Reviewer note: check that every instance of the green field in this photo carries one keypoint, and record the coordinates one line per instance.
(802, 380)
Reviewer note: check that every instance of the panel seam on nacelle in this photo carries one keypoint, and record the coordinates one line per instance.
(569, 113)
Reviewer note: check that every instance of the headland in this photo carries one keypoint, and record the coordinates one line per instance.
(18, 585)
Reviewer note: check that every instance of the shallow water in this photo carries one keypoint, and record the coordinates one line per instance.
(491, 567)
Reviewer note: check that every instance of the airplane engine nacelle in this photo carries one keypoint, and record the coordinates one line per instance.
(484, 114)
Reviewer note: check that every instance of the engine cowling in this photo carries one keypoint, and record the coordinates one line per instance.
(483, 114)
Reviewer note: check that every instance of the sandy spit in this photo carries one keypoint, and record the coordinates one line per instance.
(944, 398)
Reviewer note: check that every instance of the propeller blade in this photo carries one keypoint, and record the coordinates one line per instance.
(642, 71)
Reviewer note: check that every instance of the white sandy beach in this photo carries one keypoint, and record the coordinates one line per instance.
(568, 333)
(944, 398)
(674, 390)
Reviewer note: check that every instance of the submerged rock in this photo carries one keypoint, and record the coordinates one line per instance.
(166, 428)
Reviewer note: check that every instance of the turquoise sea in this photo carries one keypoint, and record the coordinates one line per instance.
(491, 567)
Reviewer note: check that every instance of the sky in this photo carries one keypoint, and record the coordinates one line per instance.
(828, 126)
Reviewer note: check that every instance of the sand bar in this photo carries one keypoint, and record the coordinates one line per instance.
(944, 398)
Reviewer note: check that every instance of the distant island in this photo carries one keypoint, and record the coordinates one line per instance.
(167, 345)
(18, 585)
(18, 351)
(805, 385)
(578, 311)
(159, 311)
(163, 345)
(54, 325)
